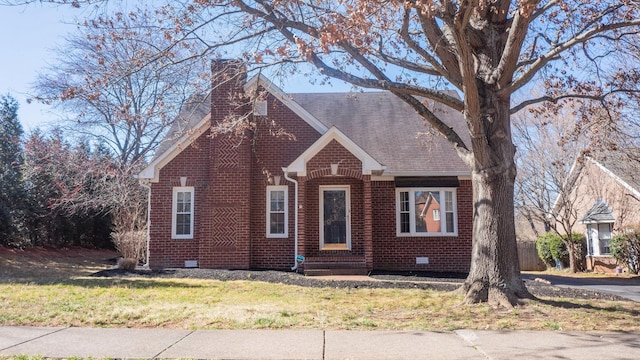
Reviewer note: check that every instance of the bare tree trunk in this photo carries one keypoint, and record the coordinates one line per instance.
(494, 276)
(571, 248)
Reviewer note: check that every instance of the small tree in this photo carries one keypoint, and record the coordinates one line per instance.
(11, 189)
(64, 184)
(122, 95)
(112, 90)
(625, 248)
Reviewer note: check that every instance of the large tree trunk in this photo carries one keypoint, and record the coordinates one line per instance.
(494, 276)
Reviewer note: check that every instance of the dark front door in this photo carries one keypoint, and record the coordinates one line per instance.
(335, 227)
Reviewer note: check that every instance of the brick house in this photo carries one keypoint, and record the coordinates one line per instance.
(607, 201)
(338, 193)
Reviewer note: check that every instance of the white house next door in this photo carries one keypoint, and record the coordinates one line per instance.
(335, 219)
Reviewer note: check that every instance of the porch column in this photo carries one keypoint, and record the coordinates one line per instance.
(368, 223)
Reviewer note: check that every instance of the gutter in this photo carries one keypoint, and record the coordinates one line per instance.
(148, 187)
(295, 224)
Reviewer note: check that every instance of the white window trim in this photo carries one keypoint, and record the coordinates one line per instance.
(174, 211)
(594, 240)
(329, 247)
(412, 217)
(271, 188)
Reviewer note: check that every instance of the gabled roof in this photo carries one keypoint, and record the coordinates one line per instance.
(378, 127)
(599, 213)
(189, 118)
(369, 164)
(391, 131)
(623, 166)
(261, 80)
(192, 122)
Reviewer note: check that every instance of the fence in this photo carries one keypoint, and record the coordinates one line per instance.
(528, 255)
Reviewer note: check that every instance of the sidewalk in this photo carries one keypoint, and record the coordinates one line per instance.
(314, 344)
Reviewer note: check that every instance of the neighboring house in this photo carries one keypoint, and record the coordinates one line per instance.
(338, 190)
(606, 202)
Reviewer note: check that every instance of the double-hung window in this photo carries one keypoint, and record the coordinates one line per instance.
(426, 212)
(182, 213)
(277, 212)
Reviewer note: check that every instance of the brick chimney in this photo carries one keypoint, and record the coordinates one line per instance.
(227, 90)
(228, 205)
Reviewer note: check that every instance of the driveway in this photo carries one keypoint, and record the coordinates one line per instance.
(625, 287)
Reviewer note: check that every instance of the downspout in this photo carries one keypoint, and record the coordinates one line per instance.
(295, 223)
(148, 187)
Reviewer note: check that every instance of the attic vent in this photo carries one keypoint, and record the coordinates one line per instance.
(260, 108)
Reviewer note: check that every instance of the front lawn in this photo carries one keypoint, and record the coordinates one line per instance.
(54, 288)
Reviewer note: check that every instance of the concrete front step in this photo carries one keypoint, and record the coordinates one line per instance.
(336, 265)
(336, 271)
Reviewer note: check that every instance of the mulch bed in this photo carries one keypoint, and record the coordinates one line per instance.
(379, 280)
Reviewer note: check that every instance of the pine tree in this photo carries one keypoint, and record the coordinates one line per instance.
(11, 189)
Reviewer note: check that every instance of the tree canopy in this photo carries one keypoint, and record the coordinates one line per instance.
(493, 52)
(111, 94)
(11, 193)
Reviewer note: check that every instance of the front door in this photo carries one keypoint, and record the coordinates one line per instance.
(335, 224)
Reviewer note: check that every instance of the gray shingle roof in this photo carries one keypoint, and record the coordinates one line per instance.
(378, 122)
(624, 163)
(599, 213)
(390, 130)
(189, 116)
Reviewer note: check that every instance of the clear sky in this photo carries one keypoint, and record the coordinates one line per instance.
(27, 34)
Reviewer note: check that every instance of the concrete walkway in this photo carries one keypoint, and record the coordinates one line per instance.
(314, 344)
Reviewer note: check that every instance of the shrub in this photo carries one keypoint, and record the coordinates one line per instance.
(127, 264)
(130, 244)
(625, 248)
(544, 244)
(552, 247)
(558, 249)
(129, 231)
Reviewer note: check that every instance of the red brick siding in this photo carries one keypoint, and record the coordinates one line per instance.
(225, 235)
(334, 153)
(230, 176)
(164, 251)
(220, 168)
(446, 254)
(269, 154)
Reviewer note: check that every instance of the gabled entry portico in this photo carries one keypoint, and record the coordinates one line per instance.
(334, 211)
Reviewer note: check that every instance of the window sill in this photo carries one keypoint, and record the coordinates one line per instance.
(335, 248)
(427, 235)
(277, 236)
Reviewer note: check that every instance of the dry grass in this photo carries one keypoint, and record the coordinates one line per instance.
(567, 273)
(56, 291)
